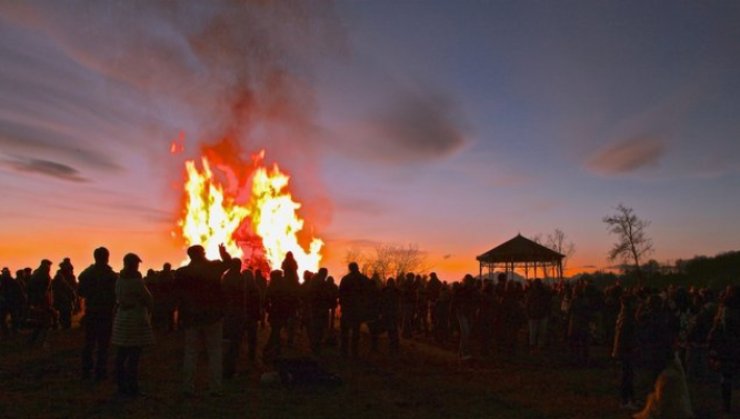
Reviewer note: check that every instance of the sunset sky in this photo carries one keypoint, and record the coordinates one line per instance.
(452, 125)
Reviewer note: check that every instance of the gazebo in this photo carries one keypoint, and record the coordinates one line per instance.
(521, 252)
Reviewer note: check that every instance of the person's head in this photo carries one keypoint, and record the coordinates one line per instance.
(433, 276)
(101, 255)
(330, 280)
(289, 256)
(151, 273)
(469, 280)
(501, 277)
(196, 253)
(6, 272)
(166, 267)
(131, 262)
(353, 267)
(323, 273)
(235, 264)
(45, 265)
(391, 283)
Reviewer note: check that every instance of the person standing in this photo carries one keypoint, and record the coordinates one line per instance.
(64, 299)
(724, 343)
(40, 301)
(98, 288)
(201, 314)
(132, 329)
(351, 301)
(625, 348)
(234, 288)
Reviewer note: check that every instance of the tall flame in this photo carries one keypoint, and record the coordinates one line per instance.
(261, 229)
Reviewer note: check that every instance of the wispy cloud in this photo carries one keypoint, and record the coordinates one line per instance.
(43, 167)
(627, 156)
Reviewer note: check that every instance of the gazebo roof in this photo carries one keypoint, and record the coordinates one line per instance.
(520, 249)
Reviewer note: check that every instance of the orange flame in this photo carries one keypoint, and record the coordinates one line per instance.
(261, 229)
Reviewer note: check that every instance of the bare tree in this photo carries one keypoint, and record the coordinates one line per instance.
(559, 242)
(632, 240)
(389, 260)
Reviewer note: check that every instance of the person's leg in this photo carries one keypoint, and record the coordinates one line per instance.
(190, 359)
(89, 346)
(104, 326)
(132, 370)
(392, 326)
(122, 354)
(626, 388)
(532, 333)
(214, 340)
(355, 343)
(3, 325)
(344, 335)
(251, 329)
(464, 349)
(541, 333)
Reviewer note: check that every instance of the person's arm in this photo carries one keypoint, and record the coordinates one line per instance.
(225, 256)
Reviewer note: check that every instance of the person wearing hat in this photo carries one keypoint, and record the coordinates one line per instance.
(98, 288)
(132, 329)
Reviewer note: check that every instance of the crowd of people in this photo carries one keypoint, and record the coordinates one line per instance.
(673, 334)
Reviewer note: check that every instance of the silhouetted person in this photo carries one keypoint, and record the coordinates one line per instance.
(235, 304)
(408, 304)
(280, 304)
(332, 302)
(253, 311)
(625, 349)
(261, 282)
(40, 301)
(351, 300)
(64, 299)
(657, 331)
(434, 286)
(12, 301)
(290, 267)
(68, 273)
(390, 313)
(165, 299)
(98, 288)
(724, 343)
(372, 308)
(131, 329)
(201, 314)
(466, 301)
(538, 303)
(487, 317)
(318, 312)
(442, 310)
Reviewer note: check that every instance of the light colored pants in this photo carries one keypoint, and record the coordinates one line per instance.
(537, 333)
(213, 335)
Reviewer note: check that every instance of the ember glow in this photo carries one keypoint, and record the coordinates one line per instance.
(247, 208)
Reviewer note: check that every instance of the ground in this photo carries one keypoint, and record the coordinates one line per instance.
(424, 382)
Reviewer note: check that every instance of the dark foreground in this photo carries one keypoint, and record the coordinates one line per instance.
(424, 382)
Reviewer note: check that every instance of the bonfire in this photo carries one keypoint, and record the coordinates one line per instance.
(248, 207)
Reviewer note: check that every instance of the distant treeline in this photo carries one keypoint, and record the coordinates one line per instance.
(700, 271)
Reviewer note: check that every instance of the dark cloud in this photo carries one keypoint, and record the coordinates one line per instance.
(43, 167)
(414, 125)
(627, 156)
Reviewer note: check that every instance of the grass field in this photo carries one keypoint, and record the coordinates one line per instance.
(424, 382)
